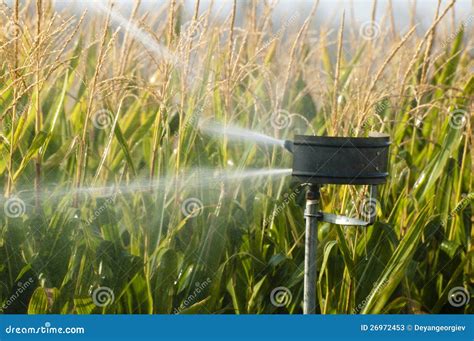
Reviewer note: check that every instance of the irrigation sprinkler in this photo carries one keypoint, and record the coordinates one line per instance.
(322, 160)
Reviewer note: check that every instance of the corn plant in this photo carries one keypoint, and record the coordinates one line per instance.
(110, 201)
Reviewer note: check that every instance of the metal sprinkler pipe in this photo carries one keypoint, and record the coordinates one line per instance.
(320, 160)
(311, 241)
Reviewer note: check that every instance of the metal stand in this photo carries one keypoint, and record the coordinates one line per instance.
(312, 216)
(311, 240)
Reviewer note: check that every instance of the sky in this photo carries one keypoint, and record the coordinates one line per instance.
(328, 9)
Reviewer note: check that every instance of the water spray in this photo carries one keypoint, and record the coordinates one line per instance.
(322, 160)
(234, 133)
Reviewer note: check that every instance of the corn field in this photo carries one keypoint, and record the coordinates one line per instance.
(116, 201)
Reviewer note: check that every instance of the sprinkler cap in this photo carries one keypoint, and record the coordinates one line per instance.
(340, 160)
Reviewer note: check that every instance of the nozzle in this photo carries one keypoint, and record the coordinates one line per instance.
(288, 145)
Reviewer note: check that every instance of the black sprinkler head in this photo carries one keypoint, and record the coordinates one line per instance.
(288, 145)
(339, 160)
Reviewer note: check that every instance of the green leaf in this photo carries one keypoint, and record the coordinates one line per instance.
(39, 301)
(123, 144)
(394, 271)
(84, 305)
(35, 146)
